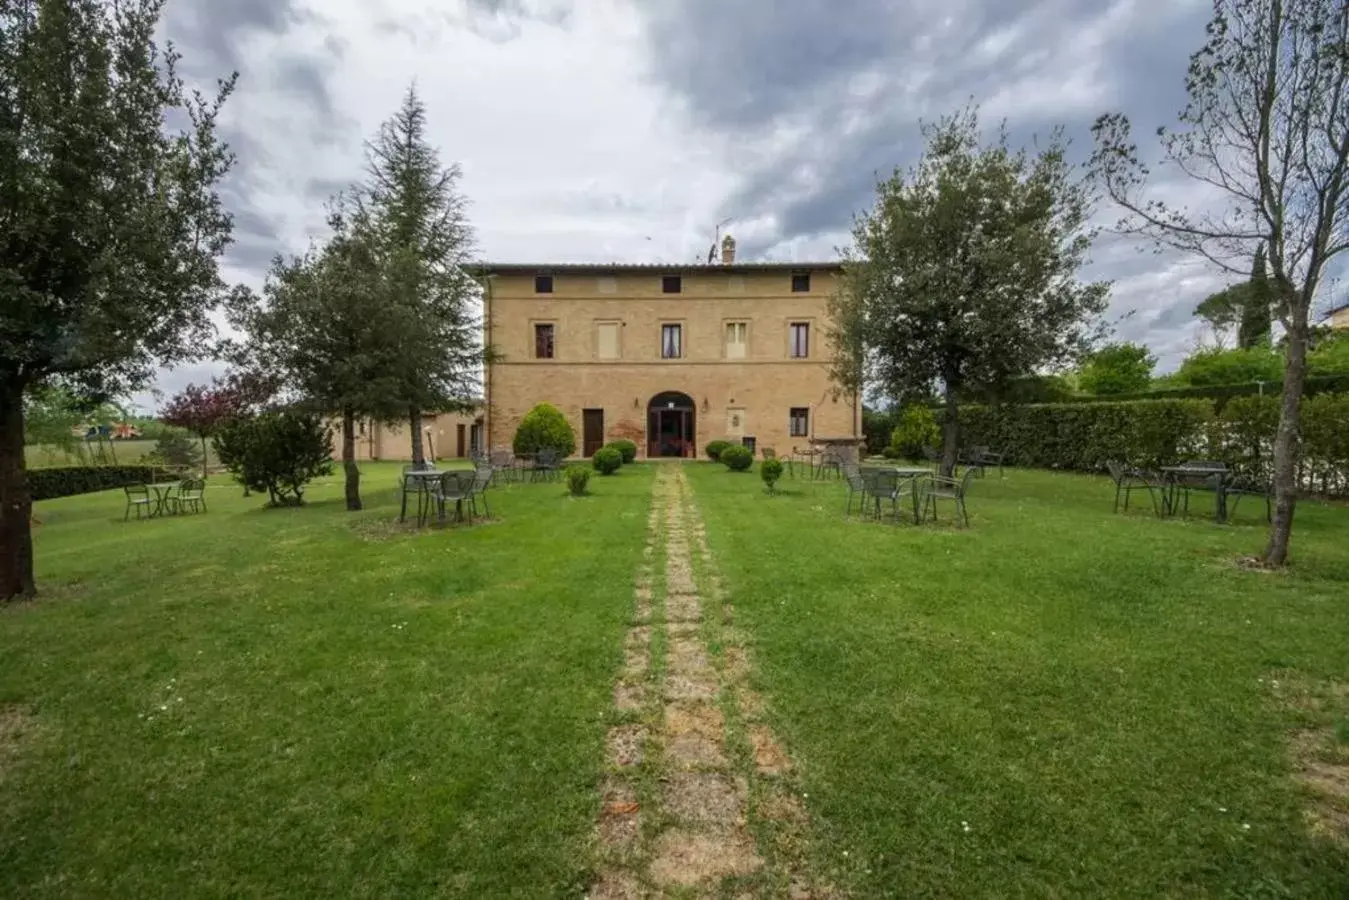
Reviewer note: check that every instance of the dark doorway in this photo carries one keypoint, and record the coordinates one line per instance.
(592, 431)
(461, 441)
(671, 425)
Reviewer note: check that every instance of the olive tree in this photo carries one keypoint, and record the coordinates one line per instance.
(112, 225)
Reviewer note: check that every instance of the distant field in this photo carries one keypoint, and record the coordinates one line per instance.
(38, 455)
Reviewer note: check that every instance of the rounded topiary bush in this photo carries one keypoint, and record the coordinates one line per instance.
(737, 458)
(770, 470)
(577, 478)
(714, 449)
(544, 428)
(607, 461)
(627, 449)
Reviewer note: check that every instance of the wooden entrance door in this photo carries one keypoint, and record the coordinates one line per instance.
(461, 441)
(592, 428)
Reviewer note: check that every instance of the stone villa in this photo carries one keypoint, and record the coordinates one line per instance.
(668, 356)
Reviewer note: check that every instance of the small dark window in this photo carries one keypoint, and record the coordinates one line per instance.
(543, 341)
(671, 284)
(800, 421)
(543, 284)
(671, 341)
(800, 340)
(801, 283)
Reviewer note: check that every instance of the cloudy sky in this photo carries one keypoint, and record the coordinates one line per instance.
(627, 129)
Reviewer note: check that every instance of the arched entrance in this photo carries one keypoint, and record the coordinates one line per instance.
(671, 425)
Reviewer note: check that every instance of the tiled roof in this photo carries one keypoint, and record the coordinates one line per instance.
(615, 268)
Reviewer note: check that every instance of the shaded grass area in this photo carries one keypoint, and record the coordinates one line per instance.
(307, 702)
(1056, 701)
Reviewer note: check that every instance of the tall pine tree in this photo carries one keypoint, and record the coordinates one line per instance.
(424, 240)
(1256, 316)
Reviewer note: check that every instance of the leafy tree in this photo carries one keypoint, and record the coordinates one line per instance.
(1331, 355)
(203, 409)
(51, 417)
(176, 448)
(544, 428)
(112, 225)
(1222, 311)
(1117, 369)
(1214, 367)
(331, 331)
(1267, 125)
(964, 272)
(424, 240)
(770, 470)
(279, 452)
(1255, 326)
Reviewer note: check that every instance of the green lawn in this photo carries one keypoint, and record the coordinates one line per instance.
(298, 703)
(306, 702)
(1086, 693)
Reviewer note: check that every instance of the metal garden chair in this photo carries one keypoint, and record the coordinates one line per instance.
(938, 487)
(857, 487)
(482, 480)
(1128, 480)
(191, 495)
(545, 465)
(138, 498)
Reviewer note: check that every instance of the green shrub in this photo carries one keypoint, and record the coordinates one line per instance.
(915, 429)
(607, 461)
(714, 448)
(68, 481)
(279, 452)
(736, 458)
(578, 476)
(627, 449)
(545, 428)
(770, 470)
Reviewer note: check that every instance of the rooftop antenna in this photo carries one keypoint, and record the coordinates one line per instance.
(716, 240)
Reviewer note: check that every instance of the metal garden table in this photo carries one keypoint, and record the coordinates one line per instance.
(1174, 478)
(910, 473)
(163, 492)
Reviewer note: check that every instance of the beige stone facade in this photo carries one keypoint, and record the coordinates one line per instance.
(670, 358)
(1338, 318)
(444, 436)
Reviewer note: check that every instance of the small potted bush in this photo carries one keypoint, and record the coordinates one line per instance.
(770, 470)
(714, 449)
(577, 478)
(607, 461)
(737, 458)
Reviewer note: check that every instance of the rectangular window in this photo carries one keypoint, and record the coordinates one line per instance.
(800, 421)
(800, 340)
(543, 341)
(606, 340)
(737, 339)
(801, 283)
(671, 284)
(543, 284)
(671, 341)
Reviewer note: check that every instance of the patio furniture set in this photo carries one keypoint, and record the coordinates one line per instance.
(1169, 488)
(874, 486)
(168, 498)
(436, 490)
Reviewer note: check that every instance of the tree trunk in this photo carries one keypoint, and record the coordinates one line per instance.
(418, 454)
(1287, 441)
(204, 472)
(16, 507)
(950, 435)
(353, 471)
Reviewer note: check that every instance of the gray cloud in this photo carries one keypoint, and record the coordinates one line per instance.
(823, 98)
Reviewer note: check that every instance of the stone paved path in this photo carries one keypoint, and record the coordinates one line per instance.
(698, 799)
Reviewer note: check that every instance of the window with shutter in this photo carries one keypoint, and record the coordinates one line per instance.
(606, 343)
(737, 339)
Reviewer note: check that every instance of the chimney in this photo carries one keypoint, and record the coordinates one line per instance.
(727, 250)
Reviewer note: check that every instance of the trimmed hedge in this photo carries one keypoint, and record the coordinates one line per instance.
(68, 481)
(737, 458)
(626, 448)
(607, 460)
(1153, 433)
(544, 428)
(1084, 436)
(714, 448)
